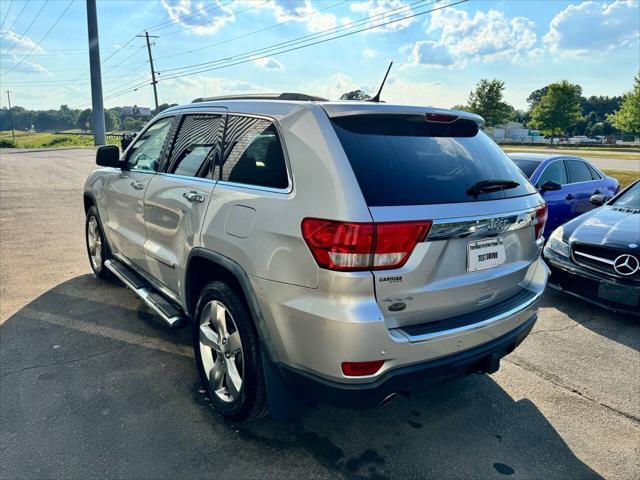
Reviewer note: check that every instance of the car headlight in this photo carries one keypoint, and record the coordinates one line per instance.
(556, 244)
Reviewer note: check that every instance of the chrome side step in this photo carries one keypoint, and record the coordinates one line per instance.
(140, 287)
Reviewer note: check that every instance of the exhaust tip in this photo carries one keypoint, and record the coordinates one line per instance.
(388, 398)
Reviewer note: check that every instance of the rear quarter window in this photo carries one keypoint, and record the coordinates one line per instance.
(405, 160)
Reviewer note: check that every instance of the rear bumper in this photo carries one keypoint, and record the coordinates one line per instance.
(481, 359)
(582, 283)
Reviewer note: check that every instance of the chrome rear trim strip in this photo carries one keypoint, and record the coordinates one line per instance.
(480, 227)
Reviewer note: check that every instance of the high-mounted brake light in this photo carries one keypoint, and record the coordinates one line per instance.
(351, 246)
(440, 117)
(360, 369)
(541, 219)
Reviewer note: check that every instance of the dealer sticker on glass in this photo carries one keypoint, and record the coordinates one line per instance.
(483, 254)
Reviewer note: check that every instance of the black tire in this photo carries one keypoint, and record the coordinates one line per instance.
(97, 267)
(251, 400)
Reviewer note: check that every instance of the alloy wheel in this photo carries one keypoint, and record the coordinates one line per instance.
(221, 351)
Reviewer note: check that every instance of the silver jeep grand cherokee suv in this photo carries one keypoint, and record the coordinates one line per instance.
(345, 251)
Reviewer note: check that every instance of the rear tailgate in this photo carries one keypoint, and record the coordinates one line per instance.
(480, 246)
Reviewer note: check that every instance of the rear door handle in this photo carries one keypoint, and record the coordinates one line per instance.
(137, 185)
(569, 197)
(194, 196)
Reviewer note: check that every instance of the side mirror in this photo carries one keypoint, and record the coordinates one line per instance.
(549, 186)
(598, 199)
(108, 156)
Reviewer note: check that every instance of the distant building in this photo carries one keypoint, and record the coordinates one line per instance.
(142, 111)
(515, 132)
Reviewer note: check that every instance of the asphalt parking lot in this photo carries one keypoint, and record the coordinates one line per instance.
(92, 385)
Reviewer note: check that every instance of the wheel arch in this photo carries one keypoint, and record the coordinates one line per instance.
(89, 201)
(204, 266)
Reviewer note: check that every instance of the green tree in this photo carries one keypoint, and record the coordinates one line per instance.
(83, 119)
(111, 120)
(627, 118)
(487, 101)
(355, 95)
(534, 97)
(559, 109)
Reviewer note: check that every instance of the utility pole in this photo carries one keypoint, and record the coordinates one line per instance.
(153, 72)
(13, 133)
(96, 75)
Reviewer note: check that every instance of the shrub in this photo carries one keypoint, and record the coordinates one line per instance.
(6, 143)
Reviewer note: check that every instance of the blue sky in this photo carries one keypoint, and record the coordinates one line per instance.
(438, 56)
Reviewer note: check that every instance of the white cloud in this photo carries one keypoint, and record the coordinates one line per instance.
(369, 53)
(431, 54)
(185, 13)
(22, 42)
(268, 63)
(301, 11)
(26, 65)
(396, 90)
(377, 10)
(184, 90)
(594, 26)
(485, 36)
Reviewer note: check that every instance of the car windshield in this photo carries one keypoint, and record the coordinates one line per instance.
(630, 198)
(527, 166)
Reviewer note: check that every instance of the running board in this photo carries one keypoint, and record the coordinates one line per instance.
(146, 292)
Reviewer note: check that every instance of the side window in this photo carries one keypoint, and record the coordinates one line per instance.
(555, 172)
(146, 151)
(196, 145)
(594, 175)
(253, 154)
(578, 171)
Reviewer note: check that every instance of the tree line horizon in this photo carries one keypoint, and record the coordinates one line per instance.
(555, 109)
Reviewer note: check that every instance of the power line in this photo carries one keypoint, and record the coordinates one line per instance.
(274, 25)
(41, 39)
(179, 75)
(19, 15)
(170, 23)
(377, 25)
(232, 14)
(6, 15)
(22, 35)
(250, 55)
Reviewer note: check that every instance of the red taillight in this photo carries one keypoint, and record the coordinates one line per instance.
(440, 117)
(348, 246)
(541, 220)
(360, 369)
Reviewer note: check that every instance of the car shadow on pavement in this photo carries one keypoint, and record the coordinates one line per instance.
(621, 328)
(94, 385)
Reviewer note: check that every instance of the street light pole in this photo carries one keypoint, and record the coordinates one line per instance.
(96, 75)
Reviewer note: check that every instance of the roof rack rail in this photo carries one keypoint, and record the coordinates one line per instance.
(264, 96)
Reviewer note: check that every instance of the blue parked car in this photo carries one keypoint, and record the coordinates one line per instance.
(566, 184)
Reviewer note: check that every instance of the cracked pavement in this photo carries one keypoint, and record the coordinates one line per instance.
(92, 385)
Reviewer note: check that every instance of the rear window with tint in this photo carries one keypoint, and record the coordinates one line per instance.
(404, 160)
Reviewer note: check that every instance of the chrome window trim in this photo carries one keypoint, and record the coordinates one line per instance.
(188, 177)
(480, 226)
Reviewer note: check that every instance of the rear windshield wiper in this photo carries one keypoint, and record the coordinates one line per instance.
(491, 185)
